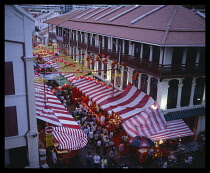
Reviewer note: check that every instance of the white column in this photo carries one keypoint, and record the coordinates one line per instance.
(192, 92)
(162, 94)
(139, 81)
(141, 53)
(204, 96)
(122, 77)
(130, 72)
(148, 84)
(184, 56)
(109, 77)
(32, 142)
(179, 94)
(150, 53)
(161, 55)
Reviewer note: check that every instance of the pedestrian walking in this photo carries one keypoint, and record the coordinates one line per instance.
(54, 157)
(98, 146)
(105, 146)
(165, 165)
(103, 162)
(121, 147)
(90, 135)
(89, 159)
(96, 159)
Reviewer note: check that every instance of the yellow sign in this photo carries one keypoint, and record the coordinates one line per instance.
(49, 139)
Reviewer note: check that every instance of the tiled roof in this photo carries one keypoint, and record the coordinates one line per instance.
(184, 113)
(155, 24)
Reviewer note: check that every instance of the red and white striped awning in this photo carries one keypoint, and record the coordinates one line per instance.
(95, 92)
(71, 139)
(55, 113)
(139, 112)
(141, 115)
(54, 64)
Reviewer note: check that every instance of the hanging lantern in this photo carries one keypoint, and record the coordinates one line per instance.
(82, 76)
(108, 86)
(61, 60)
(40, 51)
(40, 69)
(54, 53)
(65, 62)
(57, 59)
(65, 85)
(35, 73)
(70, 80)
(87, 78)
(76, 78)
(48, 51)
(59, 88)
(102, 84)
(96, 81)
(73, 66)
(124, 64)
(78, 70)
(44, 51)
(48, 63)
(92, 78)
(44, 65)
(70, 63)
(53, 91)
(53, 61)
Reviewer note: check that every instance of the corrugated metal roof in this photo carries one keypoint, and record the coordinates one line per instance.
(184, 113)
(161, 25)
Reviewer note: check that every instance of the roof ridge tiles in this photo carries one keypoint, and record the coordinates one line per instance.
(146, 14)
(103, 9)
(109, 12)
(121, 14)
(87, 12)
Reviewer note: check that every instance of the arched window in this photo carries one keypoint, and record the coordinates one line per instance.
(199, 89)
(135, 82)
(186, 89)
(172, 94)
(144, 78)
(153, 88)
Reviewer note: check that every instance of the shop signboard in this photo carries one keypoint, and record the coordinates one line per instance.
(49, 139)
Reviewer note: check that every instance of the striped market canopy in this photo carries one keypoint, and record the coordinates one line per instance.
(139, 113)
(55, 113)
(94, 91)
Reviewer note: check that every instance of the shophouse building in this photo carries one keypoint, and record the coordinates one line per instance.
(158, 48)
(21, 137)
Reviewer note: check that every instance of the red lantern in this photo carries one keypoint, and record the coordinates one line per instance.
(73, 66)
(65, 85)
(59, 88)
(65, 62)
(44, 65)
(102, 84)
(76, 78)
(82, 76)
(40, 69)
(70, 80)
(53, 91)
(57, 59)
(48, 63)
(78, 70)
(96, 81)
(54, 53)
(53, 61)
(108, 86)
(40, 51)
(44, 51)
(35, 73)
(48, 51)
(87, 78)
(61, 60)
(91, 78)
(70, 63)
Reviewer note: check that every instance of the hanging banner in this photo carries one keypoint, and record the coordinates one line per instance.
(49, 139)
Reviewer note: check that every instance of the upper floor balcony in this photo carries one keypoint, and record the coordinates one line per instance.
(161, 71)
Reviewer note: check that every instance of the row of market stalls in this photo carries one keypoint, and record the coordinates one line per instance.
(137, 112)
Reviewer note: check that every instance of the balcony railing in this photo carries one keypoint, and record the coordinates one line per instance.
(145, 66)
(52, 35)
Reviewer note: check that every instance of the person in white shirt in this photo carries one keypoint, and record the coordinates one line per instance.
(90, 135)
(98, 146)
(96, 159)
